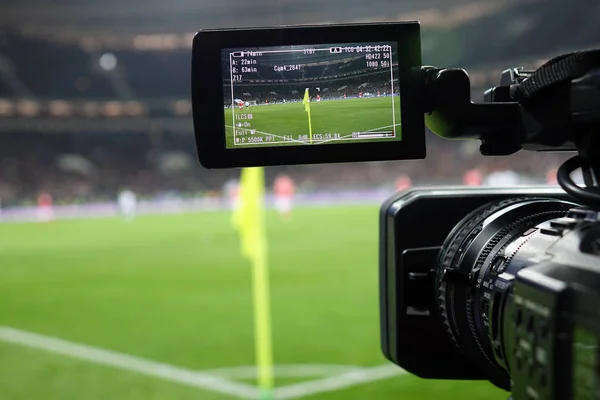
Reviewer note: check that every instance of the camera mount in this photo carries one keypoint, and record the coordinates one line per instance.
(554, 108)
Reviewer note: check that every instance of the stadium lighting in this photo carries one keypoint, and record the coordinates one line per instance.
(60, 108)
(90, 109)
(28, 108)
(108, 61)
(6, 107)
(113, 109)
(133, 108)
(162, 41)
(183, 107)
(170, 42)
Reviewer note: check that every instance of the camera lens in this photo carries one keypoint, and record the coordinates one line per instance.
(473, 276)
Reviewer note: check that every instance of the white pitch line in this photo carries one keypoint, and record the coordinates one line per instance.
(382, 127)
(207, 381)
(128, 362)
(284, 371)
(338, 382)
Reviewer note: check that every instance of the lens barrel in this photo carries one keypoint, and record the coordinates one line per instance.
(471, 285)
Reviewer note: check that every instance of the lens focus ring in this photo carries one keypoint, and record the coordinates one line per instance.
(462, 276)
(451, 246)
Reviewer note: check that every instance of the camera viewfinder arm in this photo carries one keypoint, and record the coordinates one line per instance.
(554, 108)
(451, 114)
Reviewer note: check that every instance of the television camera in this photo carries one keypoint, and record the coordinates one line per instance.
(500, 284)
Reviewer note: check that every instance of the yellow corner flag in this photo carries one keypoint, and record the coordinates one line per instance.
(249, 219)
(306, 102)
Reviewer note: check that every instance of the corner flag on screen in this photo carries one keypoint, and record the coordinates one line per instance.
(249, 219)
(306, 102)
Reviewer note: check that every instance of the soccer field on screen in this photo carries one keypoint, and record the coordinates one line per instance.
(174, 289)
(328, 117)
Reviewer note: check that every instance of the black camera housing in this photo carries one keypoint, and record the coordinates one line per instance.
(554, 316)
(411, 333)
(208, 96)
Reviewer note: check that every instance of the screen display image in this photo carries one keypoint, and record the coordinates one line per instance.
(311, 94)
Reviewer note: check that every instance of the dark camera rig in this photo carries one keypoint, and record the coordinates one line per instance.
(505, 284)
(554, 108)
(501, 284)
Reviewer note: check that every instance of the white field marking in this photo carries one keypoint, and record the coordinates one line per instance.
(284, 371)
(343, 381)
(353, 376)
(128, 362)
(382, 127)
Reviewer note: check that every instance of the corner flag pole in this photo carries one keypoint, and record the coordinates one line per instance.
(306, 102)
(249, 220)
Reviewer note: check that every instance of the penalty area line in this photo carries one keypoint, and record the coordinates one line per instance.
(382, 127)
(352, 376)
(338, 382)
(127, 362)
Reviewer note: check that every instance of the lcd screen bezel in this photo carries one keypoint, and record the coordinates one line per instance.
(208, 95)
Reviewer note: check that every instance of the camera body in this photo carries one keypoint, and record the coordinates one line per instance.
(487, 283)
(504, 293)
(408, 255)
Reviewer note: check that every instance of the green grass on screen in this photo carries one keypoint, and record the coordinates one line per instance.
(328, 117)
(175, 289)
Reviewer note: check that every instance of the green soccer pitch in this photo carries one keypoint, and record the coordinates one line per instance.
(174, 289)
(286, 124)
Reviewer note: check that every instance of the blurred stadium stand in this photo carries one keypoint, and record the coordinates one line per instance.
(94, 96)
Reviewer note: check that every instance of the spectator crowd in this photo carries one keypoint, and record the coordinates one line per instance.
(86, 168)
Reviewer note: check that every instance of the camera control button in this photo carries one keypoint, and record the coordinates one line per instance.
(530, 323)
(563, 223)
(519, 358)
(498, 264)
(552, 231)
(544, 328)
(542, 378)
(531, 367)
(518, 316)
(540, 356)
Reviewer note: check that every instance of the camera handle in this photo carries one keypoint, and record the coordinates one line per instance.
(554, 108)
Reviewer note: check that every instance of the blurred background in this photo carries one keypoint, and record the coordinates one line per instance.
(95, 107)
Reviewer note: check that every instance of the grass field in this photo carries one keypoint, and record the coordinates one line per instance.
(174, 289)
(332, 120)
